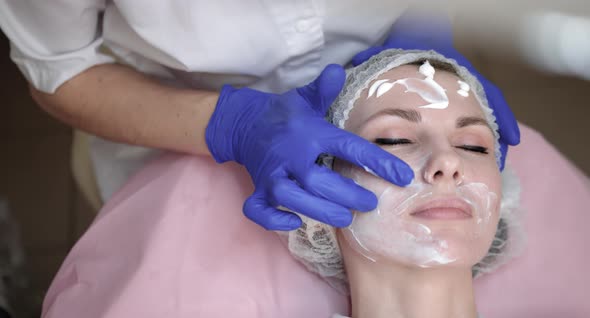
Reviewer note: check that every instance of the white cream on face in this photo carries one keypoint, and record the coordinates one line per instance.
(463, 89)
(428, 89)
(390, 233)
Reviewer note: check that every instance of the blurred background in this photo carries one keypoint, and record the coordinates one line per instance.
(37, 183)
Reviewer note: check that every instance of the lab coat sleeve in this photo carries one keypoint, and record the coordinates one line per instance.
(53, 41)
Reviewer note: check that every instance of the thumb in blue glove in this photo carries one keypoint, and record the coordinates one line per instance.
(278, 138)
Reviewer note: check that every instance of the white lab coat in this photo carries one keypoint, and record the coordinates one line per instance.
(269, 45)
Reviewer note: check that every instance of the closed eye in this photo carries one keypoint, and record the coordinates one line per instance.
(392, 141)
(472, 148)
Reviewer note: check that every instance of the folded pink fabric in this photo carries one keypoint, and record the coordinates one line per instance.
(174, 243)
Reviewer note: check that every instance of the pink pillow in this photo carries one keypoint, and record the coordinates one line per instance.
(174, 243)
(551, 278)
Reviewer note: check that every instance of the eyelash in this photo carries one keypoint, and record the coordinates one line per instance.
(403, 141)
(392, 141)
(478, 149)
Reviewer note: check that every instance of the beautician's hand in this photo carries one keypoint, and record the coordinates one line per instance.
(279, 137)
(420, 32)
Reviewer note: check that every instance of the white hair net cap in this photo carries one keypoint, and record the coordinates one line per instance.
(315, 243)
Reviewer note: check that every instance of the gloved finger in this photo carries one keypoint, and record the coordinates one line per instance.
(507, 124)
(327, 184)
(363, 56)
(322, 92)
(286, 193)
(504, 152)
(366, 155)
(257, 209)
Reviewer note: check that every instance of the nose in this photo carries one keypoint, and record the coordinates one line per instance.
(444, 167)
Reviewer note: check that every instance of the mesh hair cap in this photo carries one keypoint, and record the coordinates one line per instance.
(315, 244)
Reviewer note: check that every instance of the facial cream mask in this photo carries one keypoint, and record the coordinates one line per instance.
(463, 89)
(428, 89)
(392, 232)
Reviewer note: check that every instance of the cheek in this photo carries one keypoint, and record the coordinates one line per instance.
(491, 177)
(415, 155)
(483, 244)
(486, 172)
(366, 180)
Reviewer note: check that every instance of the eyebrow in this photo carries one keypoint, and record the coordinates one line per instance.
(470, 121)
(415, 117)
(409, 115)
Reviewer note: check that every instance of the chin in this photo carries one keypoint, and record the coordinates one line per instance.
(464, 249)
(429, 244)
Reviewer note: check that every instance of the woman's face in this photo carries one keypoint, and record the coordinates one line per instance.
(449, 214)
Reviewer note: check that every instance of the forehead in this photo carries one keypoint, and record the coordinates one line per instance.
(397, 97)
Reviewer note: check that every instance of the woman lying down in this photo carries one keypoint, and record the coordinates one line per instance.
(416, 255)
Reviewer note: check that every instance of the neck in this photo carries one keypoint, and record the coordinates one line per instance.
(395, 290)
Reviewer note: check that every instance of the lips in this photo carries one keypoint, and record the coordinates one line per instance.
(444, 209)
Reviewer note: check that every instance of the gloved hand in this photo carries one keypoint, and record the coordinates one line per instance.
(278, 139)
(418, 31)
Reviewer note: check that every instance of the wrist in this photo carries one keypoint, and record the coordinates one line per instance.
(216, 132)
(234, 112)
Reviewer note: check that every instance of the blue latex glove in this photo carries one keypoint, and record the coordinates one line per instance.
(417, 31)
(278, 139)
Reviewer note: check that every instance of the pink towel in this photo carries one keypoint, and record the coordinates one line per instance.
(174, 243)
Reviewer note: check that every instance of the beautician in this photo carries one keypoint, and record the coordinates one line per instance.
(227, 79)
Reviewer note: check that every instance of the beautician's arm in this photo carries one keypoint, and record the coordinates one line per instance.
(276, 137)
(118, 103)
